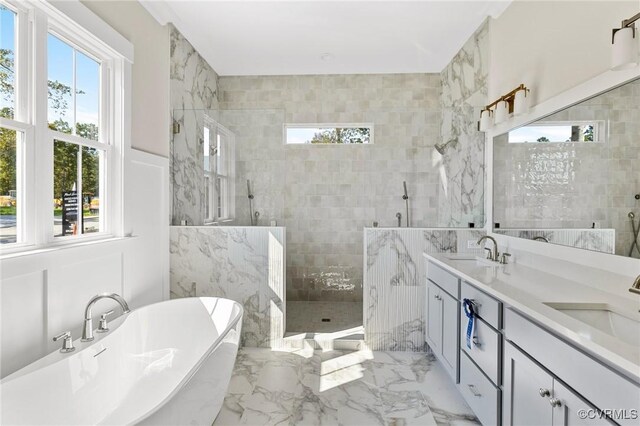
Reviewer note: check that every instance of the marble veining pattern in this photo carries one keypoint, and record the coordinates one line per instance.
(341, 388)
(193, 89)
(464, 92)
(395, 279)
(245, 264)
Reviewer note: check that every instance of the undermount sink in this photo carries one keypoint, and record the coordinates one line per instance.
(606, 318)
(480, 261)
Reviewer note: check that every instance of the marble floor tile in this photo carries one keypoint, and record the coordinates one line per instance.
(305, 387)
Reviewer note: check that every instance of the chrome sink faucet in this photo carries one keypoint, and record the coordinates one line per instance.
(635, 288)
(87, 331)
(492, 255)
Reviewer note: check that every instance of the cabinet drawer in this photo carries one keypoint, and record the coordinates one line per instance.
(487, 352)
(447, 281)
(481, 395)
(487, 308)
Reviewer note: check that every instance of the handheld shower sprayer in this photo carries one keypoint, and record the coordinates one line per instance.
(405, 197)
(250, 196)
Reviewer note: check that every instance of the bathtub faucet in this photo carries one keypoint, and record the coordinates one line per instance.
(87, 331)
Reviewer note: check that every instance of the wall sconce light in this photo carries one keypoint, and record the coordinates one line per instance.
(521, 101)
(502, 111)
(486, 121)
(624, 47)
(516, 102)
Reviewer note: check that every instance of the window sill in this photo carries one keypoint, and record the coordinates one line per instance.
(32, 250)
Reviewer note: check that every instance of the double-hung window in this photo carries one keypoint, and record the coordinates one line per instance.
(62, 127)
(79, 148)
(219, 160)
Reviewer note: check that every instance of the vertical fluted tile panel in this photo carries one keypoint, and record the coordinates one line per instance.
(395, 279)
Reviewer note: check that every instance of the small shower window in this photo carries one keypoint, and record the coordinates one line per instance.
(328, 134)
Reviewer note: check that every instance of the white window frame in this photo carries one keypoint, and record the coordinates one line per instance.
(227, 207)
(75, 24)
(369, 126)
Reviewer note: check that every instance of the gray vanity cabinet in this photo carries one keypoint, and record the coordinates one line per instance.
(443, 313)
(527, 390)
(533, 396)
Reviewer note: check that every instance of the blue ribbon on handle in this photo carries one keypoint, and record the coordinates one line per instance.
(470, 312)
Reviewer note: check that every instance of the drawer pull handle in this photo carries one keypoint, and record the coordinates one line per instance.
(476, 305)
(544, 392)
(555, 402)
(473, 390)
(476, 342)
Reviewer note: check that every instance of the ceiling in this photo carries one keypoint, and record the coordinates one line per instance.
(325, 37)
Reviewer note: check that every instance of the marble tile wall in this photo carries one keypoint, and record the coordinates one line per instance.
(245, 264)
(573, 185)
(603, 240)
(395, 280)
(193, 88)
(325, 195)
(462, 166)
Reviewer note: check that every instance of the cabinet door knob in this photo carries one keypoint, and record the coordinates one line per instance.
(476, 341)
(544, 392)
(555, 402)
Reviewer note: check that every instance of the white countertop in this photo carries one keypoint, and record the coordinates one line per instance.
(527, 289)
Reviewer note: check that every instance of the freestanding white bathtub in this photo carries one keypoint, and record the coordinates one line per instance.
(164, 364)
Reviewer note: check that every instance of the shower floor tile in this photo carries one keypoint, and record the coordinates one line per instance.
(306, 387)
(308, 316)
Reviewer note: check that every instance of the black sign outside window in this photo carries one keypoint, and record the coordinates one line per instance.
(69, 212)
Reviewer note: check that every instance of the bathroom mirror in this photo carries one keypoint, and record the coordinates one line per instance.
(573, 177)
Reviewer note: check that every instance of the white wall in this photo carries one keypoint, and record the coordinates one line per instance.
(150, 105)
(552, 46)
(44, 293)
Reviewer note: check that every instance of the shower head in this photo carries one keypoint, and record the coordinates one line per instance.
(631, 215)
(442, 148)
(406, 194)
